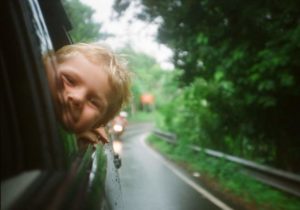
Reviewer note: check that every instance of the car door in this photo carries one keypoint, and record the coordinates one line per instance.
(41, 166)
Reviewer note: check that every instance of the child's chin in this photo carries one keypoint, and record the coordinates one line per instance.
(72, 126)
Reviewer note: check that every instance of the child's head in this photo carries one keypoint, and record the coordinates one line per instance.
(89, 87)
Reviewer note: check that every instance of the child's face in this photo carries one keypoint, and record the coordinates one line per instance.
(80, 91)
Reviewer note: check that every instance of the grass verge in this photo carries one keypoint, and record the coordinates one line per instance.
(228, 179)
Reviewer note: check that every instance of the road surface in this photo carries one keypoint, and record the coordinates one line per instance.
(150, 182)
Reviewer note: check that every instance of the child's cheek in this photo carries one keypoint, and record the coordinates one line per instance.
(89, 117)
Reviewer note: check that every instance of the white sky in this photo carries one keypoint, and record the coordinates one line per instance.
(141, 36)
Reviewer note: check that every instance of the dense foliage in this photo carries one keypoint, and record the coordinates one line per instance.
(85, 29)
(149, 77)
(241, 74)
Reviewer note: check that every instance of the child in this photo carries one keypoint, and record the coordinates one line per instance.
(89, 84)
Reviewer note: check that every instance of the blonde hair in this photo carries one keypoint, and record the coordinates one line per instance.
(114, 65)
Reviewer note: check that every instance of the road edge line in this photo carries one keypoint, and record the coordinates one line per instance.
(186, 179)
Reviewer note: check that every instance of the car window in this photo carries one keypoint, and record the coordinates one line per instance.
(41, 166)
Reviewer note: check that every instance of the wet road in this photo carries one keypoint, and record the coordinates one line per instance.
(149, 182)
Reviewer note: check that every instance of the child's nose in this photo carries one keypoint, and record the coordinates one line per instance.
(76, 100)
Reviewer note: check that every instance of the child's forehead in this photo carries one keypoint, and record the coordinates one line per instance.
(79, 60)
(98, 58)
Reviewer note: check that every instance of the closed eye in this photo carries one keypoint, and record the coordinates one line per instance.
(95, 102)
(69, 80)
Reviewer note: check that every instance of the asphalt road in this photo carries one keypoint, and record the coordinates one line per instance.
(150, 182)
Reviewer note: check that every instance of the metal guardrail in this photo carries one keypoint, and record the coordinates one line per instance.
(168, 137)
(277, 178)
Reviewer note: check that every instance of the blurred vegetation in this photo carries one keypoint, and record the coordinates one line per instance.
(149, 77)
(141, 116)
(227, 177)
(239, 89)
(85, 29)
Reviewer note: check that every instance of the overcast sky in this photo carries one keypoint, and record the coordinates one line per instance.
(140, 35)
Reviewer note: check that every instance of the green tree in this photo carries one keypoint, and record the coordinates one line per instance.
(149, 77)
(251, 48)
(85, 29)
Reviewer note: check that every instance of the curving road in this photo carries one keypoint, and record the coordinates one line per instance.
(150, 182)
